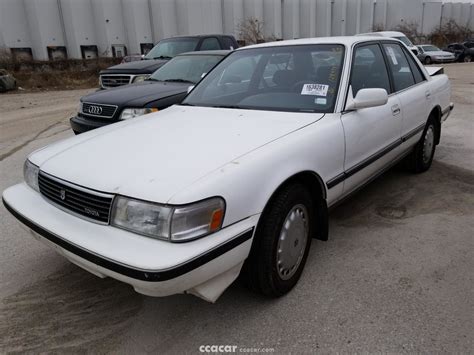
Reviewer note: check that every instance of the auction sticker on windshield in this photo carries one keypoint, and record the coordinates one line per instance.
(315, 89)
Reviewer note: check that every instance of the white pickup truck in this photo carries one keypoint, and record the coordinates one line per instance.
(240, 176)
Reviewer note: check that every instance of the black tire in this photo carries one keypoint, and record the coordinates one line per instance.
(422, 156)
(428, 60)
(467, 59)
(260, 271)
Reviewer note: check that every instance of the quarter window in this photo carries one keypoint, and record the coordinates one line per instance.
(415, 69)
(369, 69)
(398, 64)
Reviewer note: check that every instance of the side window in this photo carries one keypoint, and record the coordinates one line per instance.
(210, 44)
(369, 69)
(228, 43)
(415, 69)
(398, 64)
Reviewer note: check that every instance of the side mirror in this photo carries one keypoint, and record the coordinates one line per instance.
(190, 88)
(366, 98)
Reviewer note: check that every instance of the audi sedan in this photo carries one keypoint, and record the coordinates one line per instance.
(238, 178)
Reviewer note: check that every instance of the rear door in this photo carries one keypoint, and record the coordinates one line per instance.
(412, 89)
(372, 134)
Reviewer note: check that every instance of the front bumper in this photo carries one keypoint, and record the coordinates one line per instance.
(81, 124)
(204, 267)
(444, 60)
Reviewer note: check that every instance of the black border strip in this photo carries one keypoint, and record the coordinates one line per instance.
(143, 275)
(365, 163)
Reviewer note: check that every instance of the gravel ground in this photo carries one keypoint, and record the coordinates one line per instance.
(395, 276)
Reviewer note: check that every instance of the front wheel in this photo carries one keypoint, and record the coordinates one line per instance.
(281, 243)
(427, 60)
(467, 59)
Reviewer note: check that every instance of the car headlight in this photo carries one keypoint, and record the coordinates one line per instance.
(172, 223)
(135, 112)
(140, 78)
(30, 174)
(79, 109)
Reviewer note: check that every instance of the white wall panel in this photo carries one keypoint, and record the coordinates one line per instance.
(78, 25)
(163, 15)
(14, 25)
(137, 23)
(431, 16)
(45, 26)
(38, 24)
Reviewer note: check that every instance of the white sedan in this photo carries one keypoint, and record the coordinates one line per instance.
(240, 176)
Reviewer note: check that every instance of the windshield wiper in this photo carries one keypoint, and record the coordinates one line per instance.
(180, 81)
(228, 106)
(163, 57)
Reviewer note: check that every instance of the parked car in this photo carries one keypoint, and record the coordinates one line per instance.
(431, 54)
(7, 81)
(165, 87)
(461, 52)
(394, 34)
(136, 71)
(239, 177)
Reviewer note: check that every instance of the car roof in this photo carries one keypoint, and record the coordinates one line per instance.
(383, 34)
(200, 36)
(221, 52)
(344, 40)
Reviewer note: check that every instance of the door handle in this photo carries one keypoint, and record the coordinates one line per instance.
(395, 110)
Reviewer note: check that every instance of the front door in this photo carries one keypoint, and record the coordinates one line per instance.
(372, 134)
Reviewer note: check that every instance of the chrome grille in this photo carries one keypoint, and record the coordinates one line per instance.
(98, 110)
(112, 81)
(76, 199)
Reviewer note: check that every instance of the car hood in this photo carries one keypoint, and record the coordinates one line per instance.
(137, 67)
(157, 155)
(136, 95)
(436, 53)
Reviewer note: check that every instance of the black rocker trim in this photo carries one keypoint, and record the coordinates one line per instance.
(138, 274)
(365, 163)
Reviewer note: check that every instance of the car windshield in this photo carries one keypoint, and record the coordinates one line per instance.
(186, 68)
(405, 40)
(303, 78)
(430, 48)
(169, 48)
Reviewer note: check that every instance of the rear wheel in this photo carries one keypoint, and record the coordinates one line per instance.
(282, 242)
(423, 153)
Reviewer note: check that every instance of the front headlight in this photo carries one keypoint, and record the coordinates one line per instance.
(172, 223)
(128, 113)
(140, 78)
(30, 174)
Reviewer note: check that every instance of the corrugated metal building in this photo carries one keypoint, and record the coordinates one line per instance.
(49, 29)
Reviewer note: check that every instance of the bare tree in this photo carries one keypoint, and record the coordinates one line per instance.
(251, 30)
(450, 32)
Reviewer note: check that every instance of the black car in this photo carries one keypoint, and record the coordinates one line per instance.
(464, 52)
(165, 87)
(166, 49)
